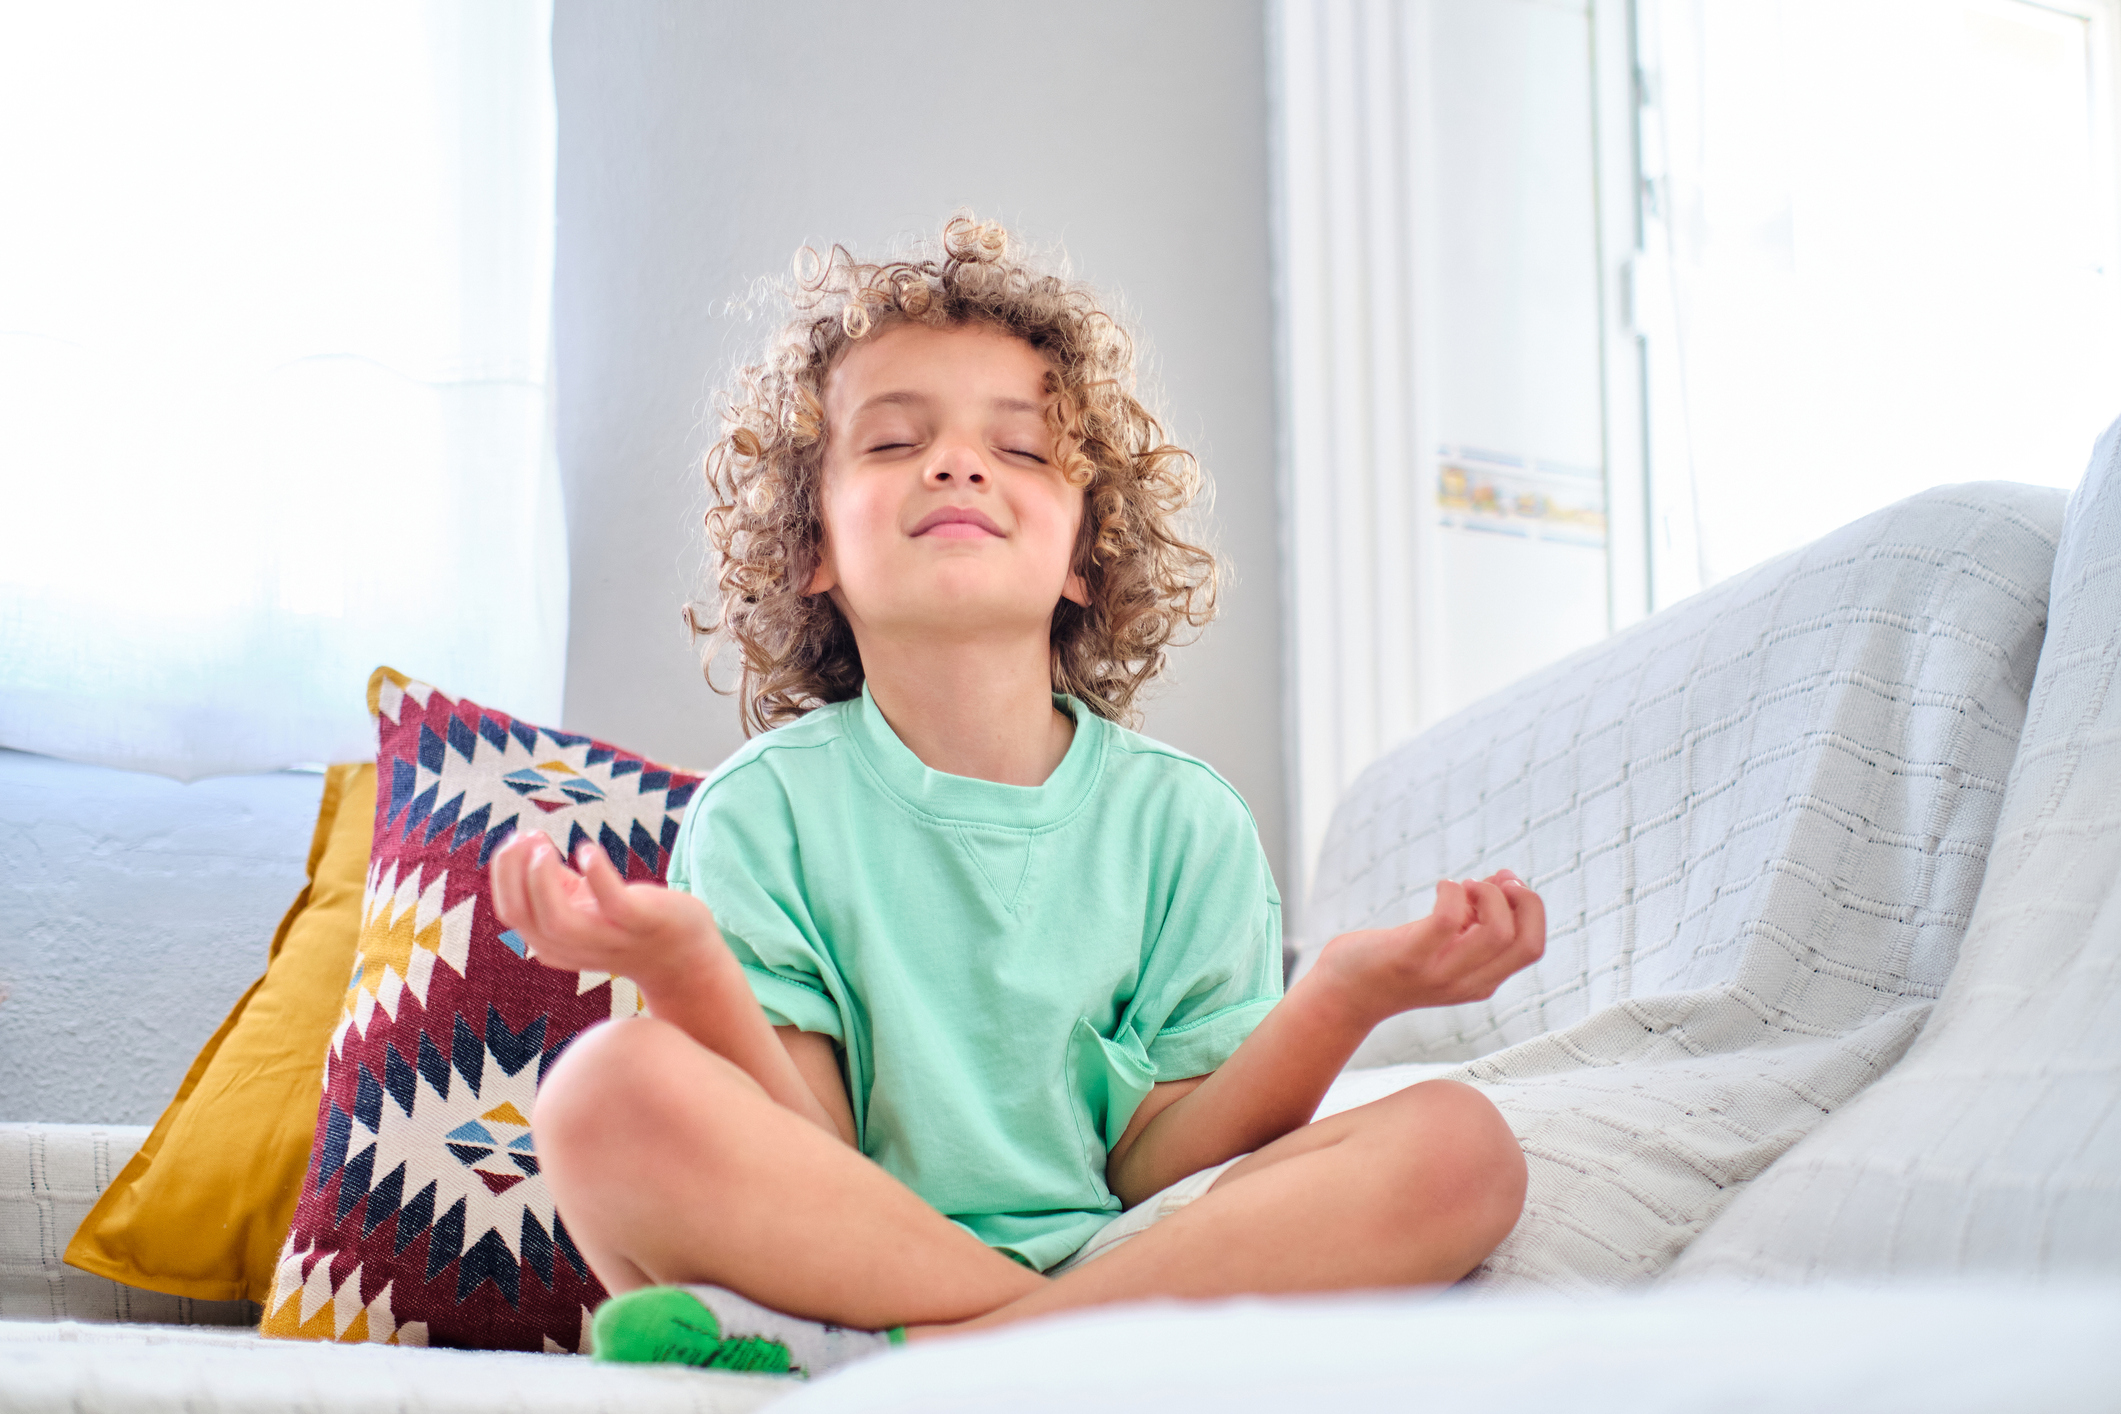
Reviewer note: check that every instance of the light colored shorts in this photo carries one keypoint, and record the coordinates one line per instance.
(1144, 1215)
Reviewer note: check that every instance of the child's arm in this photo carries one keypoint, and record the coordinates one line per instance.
(1479, 933)
(666, 942)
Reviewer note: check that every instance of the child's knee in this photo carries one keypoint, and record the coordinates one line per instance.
(1473, 1160)
(615, 1077)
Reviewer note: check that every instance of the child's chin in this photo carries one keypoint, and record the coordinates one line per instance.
(968, 604)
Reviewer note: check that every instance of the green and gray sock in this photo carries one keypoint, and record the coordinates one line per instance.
(720, 1330)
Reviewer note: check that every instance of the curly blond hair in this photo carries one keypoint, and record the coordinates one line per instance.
(1149, 586)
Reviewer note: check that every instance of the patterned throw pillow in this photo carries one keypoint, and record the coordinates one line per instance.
(423, 1219)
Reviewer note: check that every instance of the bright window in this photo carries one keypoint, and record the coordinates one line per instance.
(274, 292)
(1886, 232)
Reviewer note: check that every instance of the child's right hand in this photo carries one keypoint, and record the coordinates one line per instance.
(1481, 931)
(594, 921)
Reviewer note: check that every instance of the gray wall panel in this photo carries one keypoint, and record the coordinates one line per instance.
(700, 145)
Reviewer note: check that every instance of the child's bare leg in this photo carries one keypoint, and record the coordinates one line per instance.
(672, 1166)
(1412, 1189)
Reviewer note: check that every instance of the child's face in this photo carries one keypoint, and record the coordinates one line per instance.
(945, 509)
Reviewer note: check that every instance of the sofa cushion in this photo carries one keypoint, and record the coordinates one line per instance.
(136, 910)
(203, 1206)
(1760, 821)
(1995, 1146)
(423, 1218)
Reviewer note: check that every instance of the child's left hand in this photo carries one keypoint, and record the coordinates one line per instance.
(593, 920)
(1480, 932)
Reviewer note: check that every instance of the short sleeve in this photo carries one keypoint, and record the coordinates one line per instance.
(737, 852)
(1214, 970)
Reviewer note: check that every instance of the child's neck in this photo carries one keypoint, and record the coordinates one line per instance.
(969, 708)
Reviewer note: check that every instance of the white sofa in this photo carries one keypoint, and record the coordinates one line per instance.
(1820, 1080)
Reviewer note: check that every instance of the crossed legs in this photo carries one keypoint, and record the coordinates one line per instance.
(671, 1166)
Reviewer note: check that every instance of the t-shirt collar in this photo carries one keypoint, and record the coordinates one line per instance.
(964, 798)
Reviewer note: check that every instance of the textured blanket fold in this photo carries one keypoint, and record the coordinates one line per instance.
(1995, 1147)
(1760, 821)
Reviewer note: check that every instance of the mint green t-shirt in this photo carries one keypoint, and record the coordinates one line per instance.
(1006, 969)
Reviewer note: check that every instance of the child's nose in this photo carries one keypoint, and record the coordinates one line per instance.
(956, 464)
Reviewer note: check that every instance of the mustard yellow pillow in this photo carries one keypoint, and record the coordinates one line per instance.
(203, 1207)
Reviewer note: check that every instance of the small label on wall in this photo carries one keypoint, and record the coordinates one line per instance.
(1497, 493)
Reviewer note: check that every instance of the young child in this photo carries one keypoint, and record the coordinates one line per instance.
(965, 1001)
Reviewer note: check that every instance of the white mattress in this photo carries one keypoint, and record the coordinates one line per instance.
(1945, 1350)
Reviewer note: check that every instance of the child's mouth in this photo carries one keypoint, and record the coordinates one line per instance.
(957, 523)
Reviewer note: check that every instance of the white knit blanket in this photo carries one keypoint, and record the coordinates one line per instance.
(70, 1368)
(1759, 820)
(72, 1343)
(1995, 1146)
(50, 1176)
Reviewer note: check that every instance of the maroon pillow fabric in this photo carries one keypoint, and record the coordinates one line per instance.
(423, 1219)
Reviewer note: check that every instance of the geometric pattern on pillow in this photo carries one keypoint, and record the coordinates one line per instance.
(423, 1218)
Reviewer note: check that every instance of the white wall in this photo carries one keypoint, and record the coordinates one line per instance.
(701, 144)
(1515, 330)
(1446, 443)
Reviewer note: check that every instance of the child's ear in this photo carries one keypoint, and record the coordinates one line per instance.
(1075, 591)
(824, 578)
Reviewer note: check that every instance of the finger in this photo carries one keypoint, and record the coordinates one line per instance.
(606, 885)
(507, 875)
(1531, 911)
(1452, 909)
(1488, 936)
(529, 841)
(1507, 957)
(545, 891)
(512, 863)
(1472, 912)
(1460, 940)
(1491, 909)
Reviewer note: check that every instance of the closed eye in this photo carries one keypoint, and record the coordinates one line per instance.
(1022, 452)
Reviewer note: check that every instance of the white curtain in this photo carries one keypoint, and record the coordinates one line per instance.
(274, 390)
